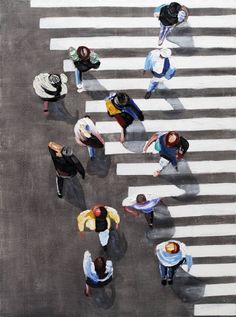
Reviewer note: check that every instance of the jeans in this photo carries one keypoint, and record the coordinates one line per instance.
(59, 183)
(91, 151)
(78, 77)
(154, 81)
(166, 271)
(164, 31)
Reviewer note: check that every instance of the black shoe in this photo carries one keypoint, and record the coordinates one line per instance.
(170, 281)
(150, 225)
(163, 281)
(147, 95)
(92, 158)
(59, 195)
(104, 248)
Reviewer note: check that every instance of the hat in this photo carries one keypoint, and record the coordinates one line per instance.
(54, 79)
(84, 131)
(83, 52)
(66, 151)
(165, 52)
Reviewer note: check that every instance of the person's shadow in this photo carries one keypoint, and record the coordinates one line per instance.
(73, 193)
(58, 112)
(100, 164)
(117, 245)
(104, 297)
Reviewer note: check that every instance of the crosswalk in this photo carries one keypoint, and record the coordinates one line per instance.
(204, 92)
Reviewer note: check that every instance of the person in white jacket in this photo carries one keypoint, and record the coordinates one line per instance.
(98, 273)
(171, 254)
(50, 87)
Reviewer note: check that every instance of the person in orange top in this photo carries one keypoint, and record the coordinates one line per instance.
(98, 219)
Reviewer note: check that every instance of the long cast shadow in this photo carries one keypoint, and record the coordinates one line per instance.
(100, 165)
(104, 297)
(73, 193)
(58, 112)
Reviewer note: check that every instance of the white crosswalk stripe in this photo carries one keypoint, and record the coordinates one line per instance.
(207, 88)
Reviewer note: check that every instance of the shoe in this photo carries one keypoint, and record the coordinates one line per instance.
(104, 248)
(80, 88)
(147, 95)
(59, 195)
(150, 225)
(92, 158)
(163, 281)
(170, 281)
(160, 42)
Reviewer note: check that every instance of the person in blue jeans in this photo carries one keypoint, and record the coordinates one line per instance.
(171, 255)
(158, 63)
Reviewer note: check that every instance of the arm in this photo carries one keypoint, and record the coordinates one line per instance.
(131, 211)
(77, 139)
(81, 219)
(87, 261)
(153, 138)
(113, 214)
(79, 166)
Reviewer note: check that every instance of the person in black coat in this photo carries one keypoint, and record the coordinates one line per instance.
(66, 164)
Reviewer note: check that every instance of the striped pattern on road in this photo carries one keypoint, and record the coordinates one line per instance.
(196, 124)
(195, 146)
(213, 189)
(147, 42)
(225, 289)
(194, 167)
(193, 103)
(213, 270)
(137, 63)
(202, 251)
(125, 3)
(206, 231)
(215, 310)
(225, 21)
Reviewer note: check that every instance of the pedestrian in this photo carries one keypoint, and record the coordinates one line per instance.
(84, 59)
(124, 109)
(98, 273)
(66, 164)
(171, 255)
(98, 219)
(158, 63)
(171, 147)
(142, 204)
(50, 88)
(86, 134)
(170, 15)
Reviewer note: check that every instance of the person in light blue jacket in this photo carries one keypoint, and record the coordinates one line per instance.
(158, 63)
(171, 254)
(98, 273)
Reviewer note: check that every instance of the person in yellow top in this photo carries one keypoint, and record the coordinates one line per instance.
(99, 219)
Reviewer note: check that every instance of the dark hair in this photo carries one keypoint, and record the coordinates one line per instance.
(100, 266)
(83, 52)
(122, 98)
(173, 8)
(172, 143)
(141, 199)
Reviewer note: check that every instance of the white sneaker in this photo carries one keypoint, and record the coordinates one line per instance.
(80, 88)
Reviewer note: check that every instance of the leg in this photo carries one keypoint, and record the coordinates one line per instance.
(163, 272)
(122, 135)
(104, 237)
(86, 290)
(45, 107)
(59, 186)
(149, 218)
(170, 274)
(91, 152)
(164, 31)
(78, 80)
(163, 163)
(151, 88)
(170, 73)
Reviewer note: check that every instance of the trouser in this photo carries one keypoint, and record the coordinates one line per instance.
(91, 151)
(169, 271)
(149, 218)
(60, 182)
(78, 77)
(104, 237)
(155, 81)
(164, 31)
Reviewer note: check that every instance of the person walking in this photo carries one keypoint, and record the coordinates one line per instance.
(171, 255)
(124, 109)
(66, 164)
(86, 134)
(171, 147)
(170, 16)
(84, 59)
(98, 219)
(50, 88)
(142, 204)
(98, 273)
(158, 63)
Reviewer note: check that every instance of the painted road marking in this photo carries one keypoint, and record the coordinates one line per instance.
(213, 189)
(215, 309)
(218, 230)
(225, 21)
(225, 289)
(194, 167)
(202, 251)
(108, 42)
(195, 146)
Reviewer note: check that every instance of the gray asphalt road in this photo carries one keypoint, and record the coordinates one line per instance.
(41, 252)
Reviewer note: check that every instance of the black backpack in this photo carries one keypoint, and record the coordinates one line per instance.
(169, 14)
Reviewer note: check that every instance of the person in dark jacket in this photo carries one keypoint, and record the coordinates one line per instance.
(84, 59)
(66, 164)
(124, 109)
(171, 147)
(170, 16)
